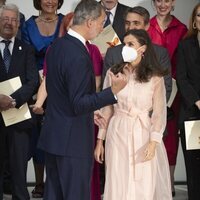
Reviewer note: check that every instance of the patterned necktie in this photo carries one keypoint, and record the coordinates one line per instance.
(6, 54)
(108, 13)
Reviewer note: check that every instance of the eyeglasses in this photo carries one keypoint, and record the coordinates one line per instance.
(12, 20)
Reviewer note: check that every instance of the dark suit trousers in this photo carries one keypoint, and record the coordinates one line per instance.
(17, 144)
(68, 178)
(192, 164)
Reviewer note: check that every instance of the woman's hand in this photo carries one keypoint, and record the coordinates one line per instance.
(99, 151)
(99, 119)
(37, 109)
(150, 151)
(197, 103)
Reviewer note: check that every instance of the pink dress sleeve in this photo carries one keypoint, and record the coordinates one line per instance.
(107, 111)
(158, 119)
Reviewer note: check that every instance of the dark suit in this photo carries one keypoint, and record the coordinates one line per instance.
(188, 76)
(67, 133)
(118, 23)
(15, 138)
(114, 56)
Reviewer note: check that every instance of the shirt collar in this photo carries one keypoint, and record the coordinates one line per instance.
(113, 10)
(12, 39)
(76, 35)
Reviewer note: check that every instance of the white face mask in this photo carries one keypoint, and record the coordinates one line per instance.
(129, 54)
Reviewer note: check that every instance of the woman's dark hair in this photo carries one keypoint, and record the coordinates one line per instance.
(37, 4)
(148, 65)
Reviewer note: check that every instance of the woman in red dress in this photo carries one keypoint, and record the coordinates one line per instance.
(166, 30)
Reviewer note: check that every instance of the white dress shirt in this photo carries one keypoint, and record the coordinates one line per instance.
(77, 35)
(2, 45)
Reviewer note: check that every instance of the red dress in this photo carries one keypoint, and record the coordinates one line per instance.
(170, 39)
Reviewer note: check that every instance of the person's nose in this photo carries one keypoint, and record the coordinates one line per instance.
(162, 3)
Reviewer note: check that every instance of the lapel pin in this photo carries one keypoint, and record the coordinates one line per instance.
(20, 48)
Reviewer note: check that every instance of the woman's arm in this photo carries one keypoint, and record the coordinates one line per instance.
(41, 97)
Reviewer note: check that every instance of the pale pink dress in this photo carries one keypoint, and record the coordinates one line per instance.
(130, 128)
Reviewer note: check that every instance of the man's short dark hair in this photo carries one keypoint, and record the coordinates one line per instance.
(140, 11)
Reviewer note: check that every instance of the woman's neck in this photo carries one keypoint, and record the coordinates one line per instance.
(164, 21)
(46, 17)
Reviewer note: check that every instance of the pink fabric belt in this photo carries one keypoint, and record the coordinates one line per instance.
(140, 121)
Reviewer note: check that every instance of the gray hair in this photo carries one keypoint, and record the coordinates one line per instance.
(87, 9)
(11, 7)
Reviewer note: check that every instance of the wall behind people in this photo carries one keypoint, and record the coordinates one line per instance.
(182, 10)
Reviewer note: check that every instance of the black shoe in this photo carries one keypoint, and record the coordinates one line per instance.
(173, 193)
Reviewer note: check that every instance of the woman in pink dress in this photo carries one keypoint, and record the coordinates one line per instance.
(42, 94)
(166, 30)
(135, 156)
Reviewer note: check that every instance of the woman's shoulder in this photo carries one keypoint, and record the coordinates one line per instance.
(189, 41)
(31, 20)
(157, 80)
(177, 22)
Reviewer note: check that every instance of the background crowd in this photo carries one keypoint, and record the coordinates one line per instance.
(141, 133)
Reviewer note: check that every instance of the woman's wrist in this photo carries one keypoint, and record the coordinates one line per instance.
(99, 141)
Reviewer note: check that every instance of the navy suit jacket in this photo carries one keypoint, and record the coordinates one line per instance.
(68, 128)
(118, 23)
(22, 65)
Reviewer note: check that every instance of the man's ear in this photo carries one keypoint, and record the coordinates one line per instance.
(147, 26)
(89, 23)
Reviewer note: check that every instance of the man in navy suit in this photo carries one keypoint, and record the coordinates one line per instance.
(117, 12)
(16, 60)
(67, 135)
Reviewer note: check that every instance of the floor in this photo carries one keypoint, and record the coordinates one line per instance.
(181, 193)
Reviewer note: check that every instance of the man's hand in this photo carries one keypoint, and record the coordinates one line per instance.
(6, 102)
(99, 120)
(119, 81)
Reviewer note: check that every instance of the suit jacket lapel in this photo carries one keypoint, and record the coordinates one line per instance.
(3, 73)
(16, 54)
